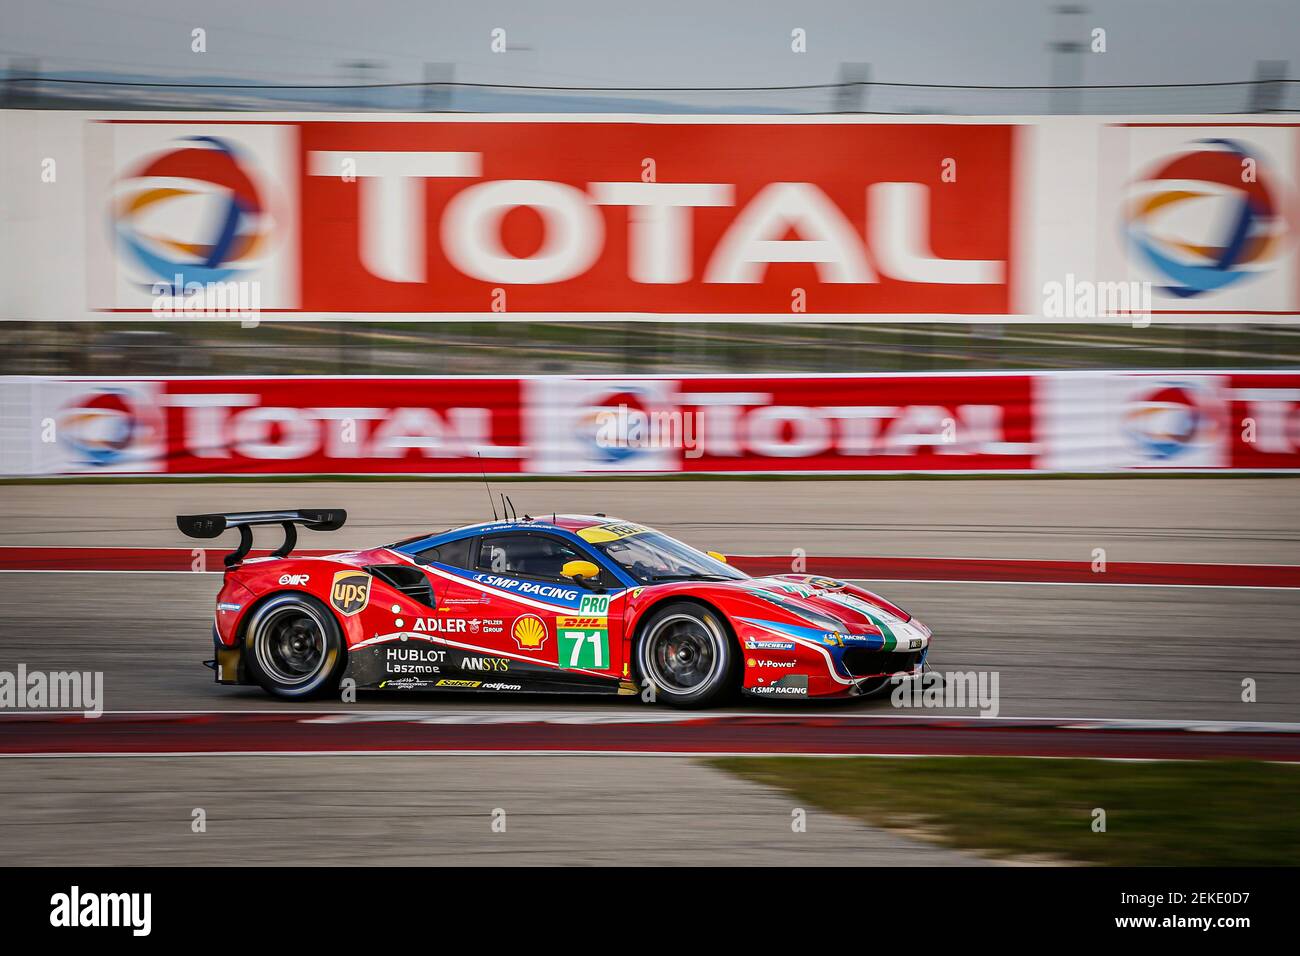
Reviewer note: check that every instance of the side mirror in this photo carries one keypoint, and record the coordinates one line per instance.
(580, 571)
(716, 556)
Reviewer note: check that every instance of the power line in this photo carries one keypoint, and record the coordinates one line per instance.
(641, 89)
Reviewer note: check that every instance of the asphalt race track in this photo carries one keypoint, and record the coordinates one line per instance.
(1066, 652)
(1063, 652)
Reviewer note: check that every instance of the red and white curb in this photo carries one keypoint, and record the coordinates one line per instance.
(671, 734)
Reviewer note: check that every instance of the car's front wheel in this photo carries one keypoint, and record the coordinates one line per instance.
(293, 647)
(688, 655)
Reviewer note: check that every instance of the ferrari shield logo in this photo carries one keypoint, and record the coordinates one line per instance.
(350, 592)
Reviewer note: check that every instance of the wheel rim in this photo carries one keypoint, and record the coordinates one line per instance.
(289, 641)
(683, 653)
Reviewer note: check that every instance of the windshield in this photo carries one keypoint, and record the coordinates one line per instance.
(651, 557)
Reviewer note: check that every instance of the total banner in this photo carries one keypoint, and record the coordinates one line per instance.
(502, 218)
(939, 423)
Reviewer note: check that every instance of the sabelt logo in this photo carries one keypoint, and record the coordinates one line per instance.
(350, 592)
(449, 682)
(529, 632)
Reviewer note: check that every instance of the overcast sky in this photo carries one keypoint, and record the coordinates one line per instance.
(657, 43)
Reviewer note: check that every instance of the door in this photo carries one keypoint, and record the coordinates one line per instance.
(513, 614)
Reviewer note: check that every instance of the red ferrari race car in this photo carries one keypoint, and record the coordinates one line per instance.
(577, 604)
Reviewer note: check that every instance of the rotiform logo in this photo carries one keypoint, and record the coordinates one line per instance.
(75, 909)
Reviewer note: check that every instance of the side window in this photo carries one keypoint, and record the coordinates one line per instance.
(527, 555)
(454, 553)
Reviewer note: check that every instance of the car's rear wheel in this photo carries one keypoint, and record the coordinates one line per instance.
(293, 647)
(686, 652)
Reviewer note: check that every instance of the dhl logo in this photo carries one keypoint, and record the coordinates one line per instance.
(582, 623)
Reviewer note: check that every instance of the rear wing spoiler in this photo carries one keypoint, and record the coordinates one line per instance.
(212, 526)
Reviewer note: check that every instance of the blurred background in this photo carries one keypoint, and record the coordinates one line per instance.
(938, 57)
(1079, 126)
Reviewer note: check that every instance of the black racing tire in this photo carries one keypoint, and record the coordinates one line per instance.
(293, 647)
(688, 654)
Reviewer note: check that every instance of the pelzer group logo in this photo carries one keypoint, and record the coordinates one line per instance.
(192, 215)
(1207, 219)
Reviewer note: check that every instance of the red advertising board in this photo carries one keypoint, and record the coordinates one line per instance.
(1264, 430)
(833, 423)
(559, 217)
(348, 426)
(554, 425)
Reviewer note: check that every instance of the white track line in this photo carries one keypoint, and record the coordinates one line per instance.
(625, 717)
(687, 754)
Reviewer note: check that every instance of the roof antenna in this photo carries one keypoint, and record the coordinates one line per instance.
(505, 501)
(485, 483)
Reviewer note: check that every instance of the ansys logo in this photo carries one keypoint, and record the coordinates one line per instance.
(191, 215)
(1206, 219)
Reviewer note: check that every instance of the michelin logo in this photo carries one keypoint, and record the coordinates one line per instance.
(756, 645)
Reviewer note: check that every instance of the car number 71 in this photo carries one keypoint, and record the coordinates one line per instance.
(584, 649)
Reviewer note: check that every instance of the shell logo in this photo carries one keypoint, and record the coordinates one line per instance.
(530, 632)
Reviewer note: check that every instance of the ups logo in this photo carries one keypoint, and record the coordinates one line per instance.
(350, 592)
